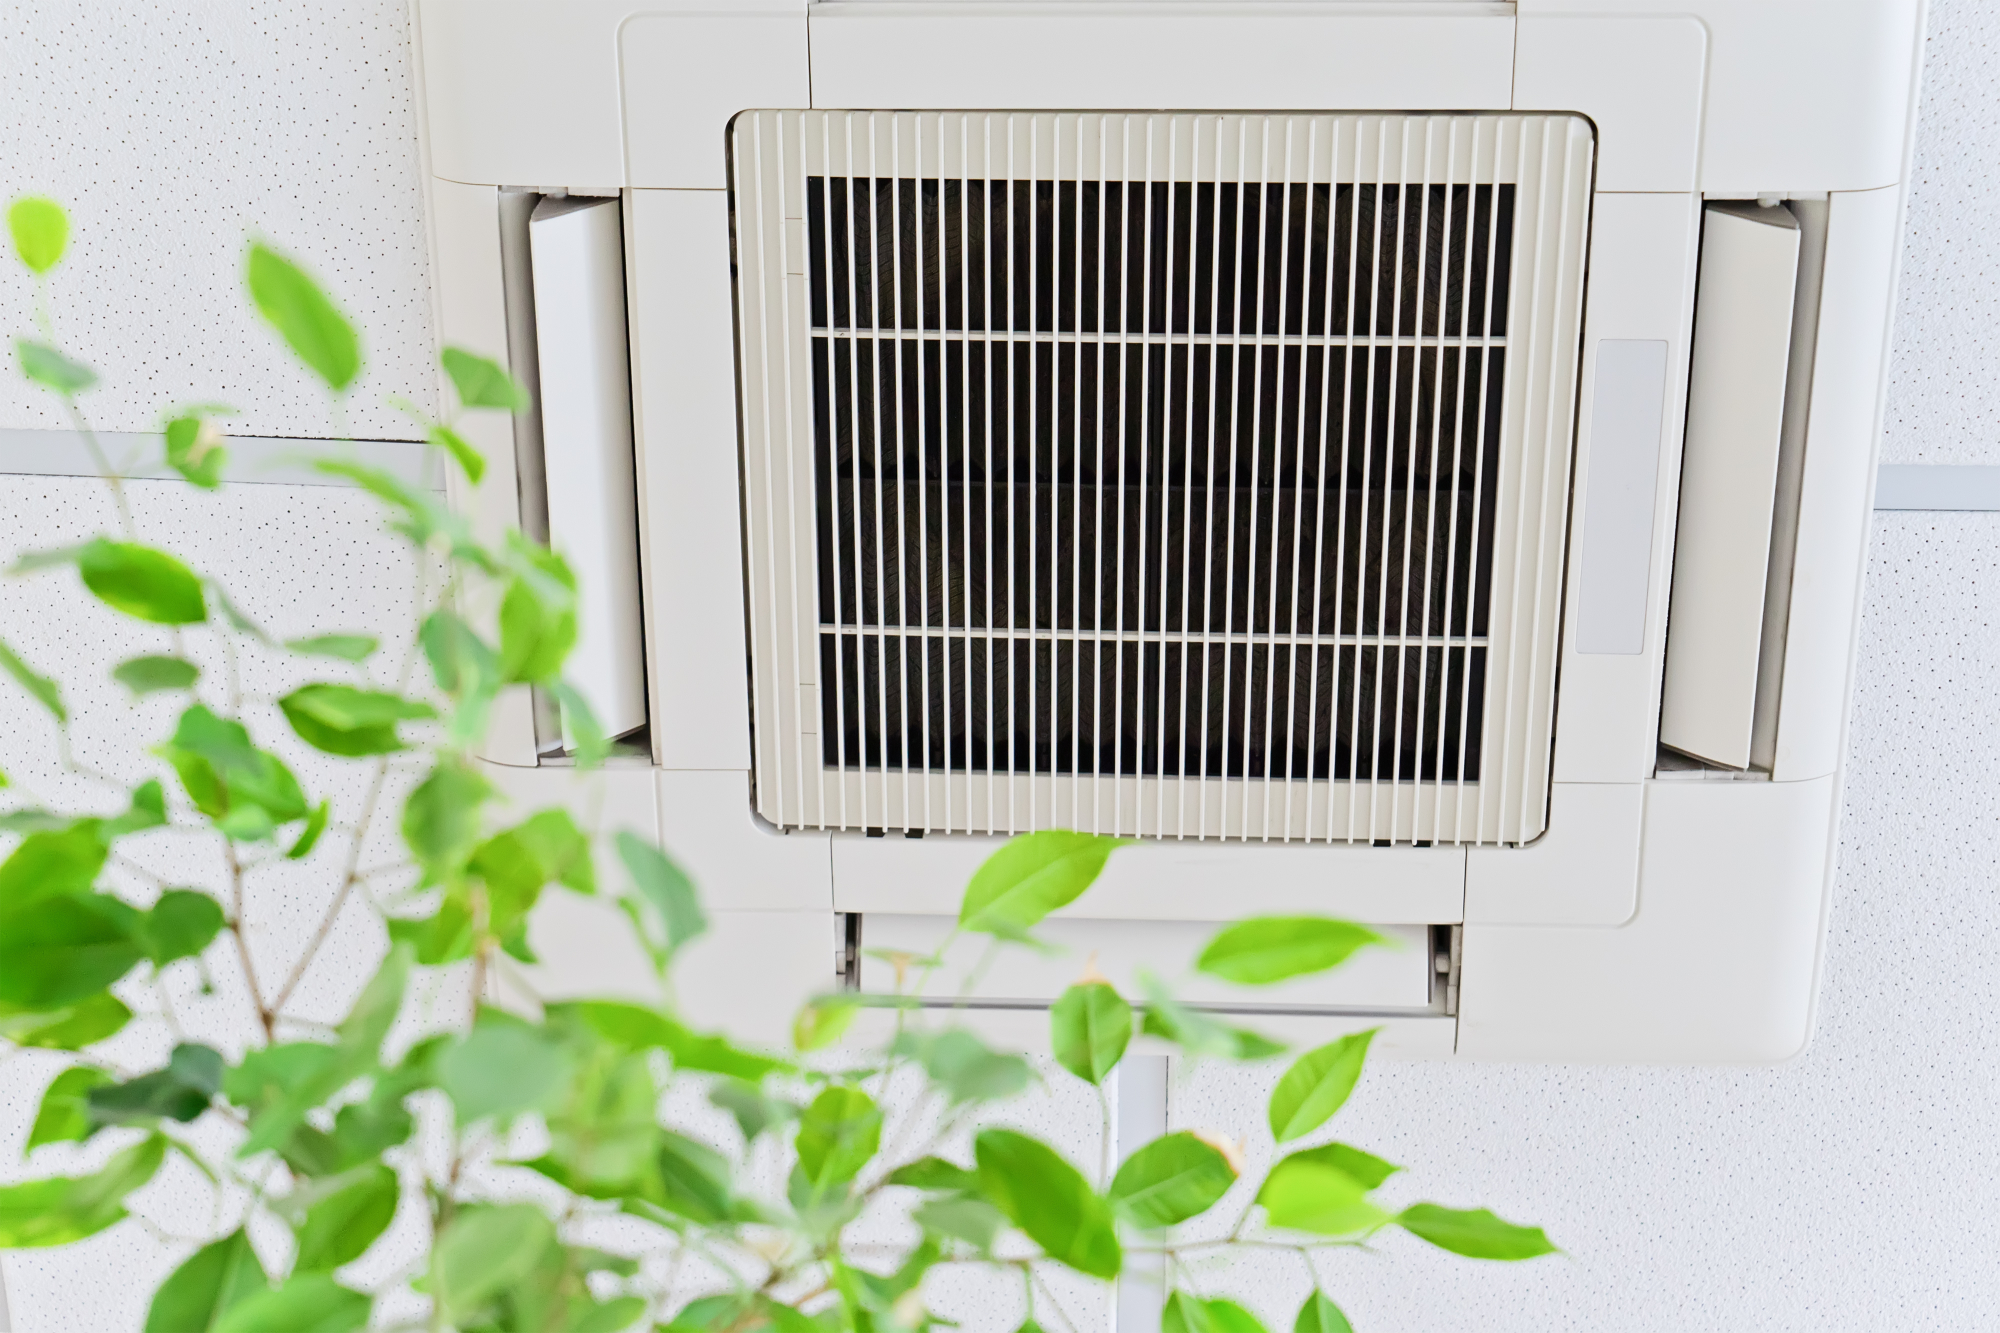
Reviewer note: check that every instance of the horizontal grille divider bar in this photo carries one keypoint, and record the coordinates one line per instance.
(867, 332)
(1193, 638)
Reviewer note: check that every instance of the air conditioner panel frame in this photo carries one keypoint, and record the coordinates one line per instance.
(538, 93)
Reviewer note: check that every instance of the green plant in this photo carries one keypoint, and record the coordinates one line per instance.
(506, 1139)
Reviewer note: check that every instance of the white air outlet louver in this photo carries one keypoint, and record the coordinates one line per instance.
(1312, 440)
(1175, 475)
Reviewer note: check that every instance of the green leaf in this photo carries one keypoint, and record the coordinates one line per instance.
(1191, 1314)
(51, 369)
(46, 864)
(309, 835)
(502, 1068)
(41, 687)
(1198, 1033)
(1303, 1194)
(612, 1316)
(537, 619)
(470, 460)
(1267, 949)
(196, 1295)
(638, 1028)
(194, 449)
(306, 1303)
(1320, 1315)
(754, 1110)
(239, 622)
(963, 1066)
(1473, 1232)
(1170, 1180)
(691, 1180)
(142, 582)
(962, 1217)
(343, 1216)
(1049, 1200)
(346, 647)
(482, 382)
(839, 1134)
(1363, 1168)
(269, 1077)
(604, 1133)
(279, 1084)
(483, 1250)
(150, 675)
(823, 1021)
(560, 848)
(459, 658)
(517, 862)
(70, 1028)
(245, 790)
(1317, 1085)
(180, 925)
(63, 1116)
(41, 232)
(716, 1313)
(587, 742)
(441, 817)
(1089, 1027)
(350, 722)
(148, 810)
(1031, 876)
(465, 668)
(64, 1208)
(181, 1091)
(363, 1130)
(317, 333)
(935, 1174)
(669, 913)
(448, 935)
(64, 948)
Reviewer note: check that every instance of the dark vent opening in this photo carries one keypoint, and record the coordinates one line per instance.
(1155, 480)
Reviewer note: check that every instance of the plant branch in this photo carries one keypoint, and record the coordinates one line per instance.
(104, 468)
(348, 879)
(265, 1013)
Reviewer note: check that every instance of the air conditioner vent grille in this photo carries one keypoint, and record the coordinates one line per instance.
(1157, 473)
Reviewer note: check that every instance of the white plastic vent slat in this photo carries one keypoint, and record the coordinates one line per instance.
(1282, 366)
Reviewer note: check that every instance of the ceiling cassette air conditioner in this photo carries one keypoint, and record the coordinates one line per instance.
(1403, 461)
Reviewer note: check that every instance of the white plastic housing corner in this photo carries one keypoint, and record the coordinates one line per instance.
(1171, 880)
(471, 312)
(1638, 78)
(749, 973)
(738, 862)
(523, 92)
(1718, 965)
(1089, 57)
(1803, 96)
(687, 74)
(1583, 872)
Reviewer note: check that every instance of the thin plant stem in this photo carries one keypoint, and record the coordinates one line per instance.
(348, 879)
(103, 466)
(265, 1013)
